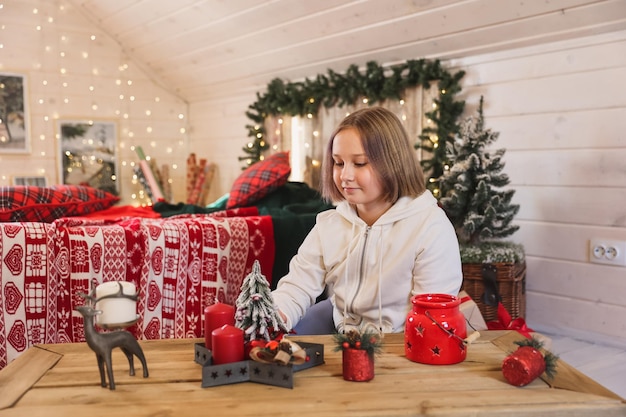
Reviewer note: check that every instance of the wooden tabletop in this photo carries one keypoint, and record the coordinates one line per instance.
(63, 380)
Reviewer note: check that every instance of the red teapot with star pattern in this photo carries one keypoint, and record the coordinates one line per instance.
(435, 330)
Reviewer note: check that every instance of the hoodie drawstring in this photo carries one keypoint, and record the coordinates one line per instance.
(380, 281)
(345, 279)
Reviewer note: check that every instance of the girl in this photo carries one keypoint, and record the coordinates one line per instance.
(386, 241)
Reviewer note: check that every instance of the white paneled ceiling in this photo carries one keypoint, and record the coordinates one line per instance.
(203, 49)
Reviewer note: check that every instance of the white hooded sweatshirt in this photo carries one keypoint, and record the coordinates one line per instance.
(373, 271)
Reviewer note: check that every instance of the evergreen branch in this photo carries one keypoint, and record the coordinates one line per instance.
(370, 342)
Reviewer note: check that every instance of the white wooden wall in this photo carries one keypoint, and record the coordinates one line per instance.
(561, 113)
(75, 71)
(560, 110)
(219, 133)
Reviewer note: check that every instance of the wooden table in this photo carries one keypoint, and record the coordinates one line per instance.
(63, 380)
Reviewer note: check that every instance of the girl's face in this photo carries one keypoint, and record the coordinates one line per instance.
(355, 177)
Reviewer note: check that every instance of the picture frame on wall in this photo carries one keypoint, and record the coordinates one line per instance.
(88, 153)
(14, 125)
(34, 180)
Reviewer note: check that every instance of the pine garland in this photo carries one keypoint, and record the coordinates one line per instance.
(378, 84)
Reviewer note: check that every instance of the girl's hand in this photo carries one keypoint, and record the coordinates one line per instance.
(282, 316)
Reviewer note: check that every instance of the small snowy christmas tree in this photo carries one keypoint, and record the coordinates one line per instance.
(256, 314)
(479, 211)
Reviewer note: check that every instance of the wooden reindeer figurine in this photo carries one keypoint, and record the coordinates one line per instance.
(104, 343)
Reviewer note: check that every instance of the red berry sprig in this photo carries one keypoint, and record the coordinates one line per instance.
(371, 342)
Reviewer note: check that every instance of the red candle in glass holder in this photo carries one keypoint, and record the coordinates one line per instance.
(227, 342)
(215, 316)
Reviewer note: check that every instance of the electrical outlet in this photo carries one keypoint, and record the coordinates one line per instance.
(607, 251)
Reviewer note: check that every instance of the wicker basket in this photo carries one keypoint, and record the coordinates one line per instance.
(511, 283)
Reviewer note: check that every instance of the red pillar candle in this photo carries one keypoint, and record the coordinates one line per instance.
(215, 316)
(227, 342)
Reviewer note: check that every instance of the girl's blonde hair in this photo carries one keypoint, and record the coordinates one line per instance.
(387, 147)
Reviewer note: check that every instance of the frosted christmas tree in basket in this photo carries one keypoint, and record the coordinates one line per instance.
(481, 212)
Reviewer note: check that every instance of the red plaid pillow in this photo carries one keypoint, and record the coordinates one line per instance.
(89, 199)
(24, 203)
(259, 179)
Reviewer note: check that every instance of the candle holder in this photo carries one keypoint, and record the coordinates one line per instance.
(358, 353)
(276, 374)
(118, 302)
(253, 330)
(102, 343)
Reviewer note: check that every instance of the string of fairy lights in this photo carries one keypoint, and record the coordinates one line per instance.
(306, 136)
(74, 79)
(75, 73)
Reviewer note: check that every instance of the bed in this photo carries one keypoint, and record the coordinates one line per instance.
(57, 242)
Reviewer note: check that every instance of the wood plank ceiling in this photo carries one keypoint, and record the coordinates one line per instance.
(202, 49)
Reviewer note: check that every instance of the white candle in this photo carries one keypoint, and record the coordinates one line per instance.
(116, 310)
